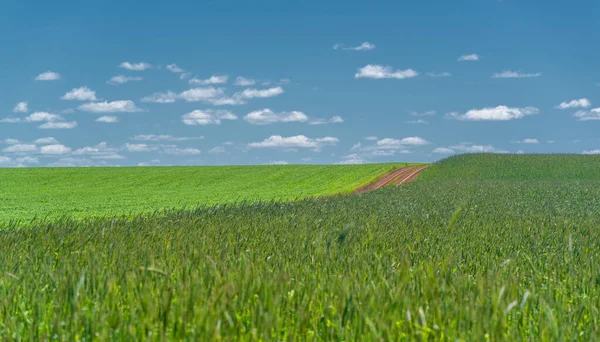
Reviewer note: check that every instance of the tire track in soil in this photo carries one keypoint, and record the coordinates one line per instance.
(397, 177)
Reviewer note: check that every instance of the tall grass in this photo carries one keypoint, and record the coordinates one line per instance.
(436, 259)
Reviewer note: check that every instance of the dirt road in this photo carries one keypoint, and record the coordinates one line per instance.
(400, 176)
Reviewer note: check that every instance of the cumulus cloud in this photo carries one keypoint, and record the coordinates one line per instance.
(55, 149)
(98, 150)
(80, 94)
(174, 68)
(10, 141)
(332, 120)
(581, 103)
(529, 141)
(21, 107)
(418, 122)
(217, 149)
(48, 76)
(380, 72)
(42, 116)
(277, 162)
(244, 82)
(200, 94)
(122, 79)
(298, 141)
(214, 79)
(515, 74)
(472, 57)
(390, 143)
(591, 152)
(124, 106)
(174, 150)
(162, 137)
(438, 74)
(261, 93)
(443, 150)
(353, 158)
(19, 148)
(58, 125)
(500, 113)
(365, 46)
(139, 148)
(168, 97)
(207, 117)
(108, 119)
(587, 115)
(46, 141)
(267, 116)
(472, 148)
(135, 66)
(427, 113)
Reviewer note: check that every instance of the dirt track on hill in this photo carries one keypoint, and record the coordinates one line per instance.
(397, 177)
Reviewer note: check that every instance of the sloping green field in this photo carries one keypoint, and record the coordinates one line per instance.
(507, 252)
(86, 192)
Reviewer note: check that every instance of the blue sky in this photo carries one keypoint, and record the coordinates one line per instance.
(89, 83)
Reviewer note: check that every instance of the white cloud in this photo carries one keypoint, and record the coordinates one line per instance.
(419, 122)
(438, 74)
(21, 107)
(55, 149)
(242, 81)
(174, 68)
(207, 117)
(48, 76)
(515, 74)
(185, 75)
(139, 148)
(163, 137)
(124, 106)
(5, 160)
(10, 120)
(443, 150)
(108, 119)
(168, 97)
(591, 152)
(366, 46)
(68, 111)
(427, 113)
(277, 162)
(135, 66)
(10, 141)
(20, 148)
(500, 113)
(356, 146)
(390, 143)
(58, 125)
(530, 141)
(332, 120)
(200, 94)
(261, 93)
(584, 115)
(174, 150)
(298, 141)
(46, 141)
(28, 160)
(217, 149)
(352, 159)
(471, 57)
(214, 79)
(380, 72)
(80, 94)
(471, 148)
(372, 138)
(581, 103)
(101, 149)
(42, 116)
(122, 79)
(267, 116)
(550, 142)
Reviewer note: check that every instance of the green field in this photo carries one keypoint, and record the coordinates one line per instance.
(479, 247)
(85, 192)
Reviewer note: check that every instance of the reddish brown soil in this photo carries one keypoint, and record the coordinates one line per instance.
(397, 177)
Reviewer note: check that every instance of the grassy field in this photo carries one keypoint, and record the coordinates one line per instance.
(85, 192)
(509, 251)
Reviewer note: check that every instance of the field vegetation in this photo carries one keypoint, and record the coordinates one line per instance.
(479, 247)
(84, 192)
